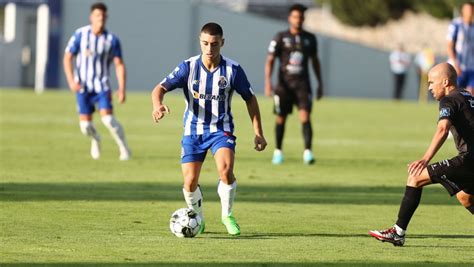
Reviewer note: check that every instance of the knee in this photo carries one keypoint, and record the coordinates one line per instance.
(414, 181)
(280, 120)
(465, 199)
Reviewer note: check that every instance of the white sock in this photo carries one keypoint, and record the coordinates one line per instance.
(116, 131)
(194, 200)
(227, 194)
(399, 230)
(88, 129)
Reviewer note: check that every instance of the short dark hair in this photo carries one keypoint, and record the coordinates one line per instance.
(298, 7)
(470, 3)
(100, 6)
(212, 28)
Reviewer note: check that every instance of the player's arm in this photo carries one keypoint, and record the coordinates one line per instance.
(157, 96)
(68, 71)
(268, 74)
(254, 113)
(442, 131)
(317, 73)
(121, 78)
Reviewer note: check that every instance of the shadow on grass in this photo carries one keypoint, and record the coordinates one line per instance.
(128, 262)
(142, 191)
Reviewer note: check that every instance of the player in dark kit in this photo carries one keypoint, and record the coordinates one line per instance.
(456, 114)
(294, 48)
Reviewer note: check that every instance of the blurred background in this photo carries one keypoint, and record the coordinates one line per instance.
(355, 38)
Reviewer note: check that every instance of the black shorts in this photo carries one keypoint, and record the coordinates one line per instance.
(285, 97)
(454, 174)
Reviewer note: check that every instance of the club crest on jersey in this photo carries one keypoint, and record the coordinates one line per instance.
(222, 83)
(287, 41)
(197, 95)
(444, 112)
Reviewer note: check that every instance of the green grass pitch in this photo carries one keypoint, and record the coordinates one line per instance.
(59, 207)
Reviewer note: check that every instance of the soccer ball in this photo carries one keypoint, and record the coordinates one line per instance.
(185, 223)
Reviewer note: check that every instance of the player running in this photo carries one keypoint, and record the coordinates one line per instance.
(294, 48)
(461, 46)
(456, 113)
(208, 82)
(94, 48)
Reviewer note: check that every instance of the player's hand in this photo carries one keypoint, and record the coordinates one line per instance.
(121, 95)
(416, 167)
(74, 86)
(160, 112)
(319, 92)
(260, 143)
(268, 90)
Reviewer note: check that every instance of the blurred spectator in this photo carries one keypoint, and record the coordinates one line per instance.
(399, 63)
(424, 61)
(461, 47)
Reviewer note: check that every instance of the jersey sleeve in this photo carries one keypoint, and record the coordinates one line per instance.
(74, 44)
(452, 32)
(274, 48)
(116, 48)
(177, 78)
(241, 84)
(447, 109)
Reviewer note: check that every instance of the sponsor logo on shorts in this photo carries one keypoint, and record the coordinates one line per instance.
(230, 141)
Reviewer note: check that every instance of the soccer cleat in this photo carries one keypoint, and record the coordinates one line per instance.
(277, 157)
(231, 225)
(308, 157)
(95, 148)
(389, 235)
(203, 227)
(125, 154)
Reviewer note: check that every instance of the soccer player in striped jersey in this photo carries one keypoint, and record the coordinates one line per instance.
(208, 82)
(94, 48)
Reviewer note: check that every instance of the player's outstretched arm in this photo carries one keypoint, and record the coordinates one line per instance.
(254, 113)
(121, 78)
(416, 167)
(159, 110)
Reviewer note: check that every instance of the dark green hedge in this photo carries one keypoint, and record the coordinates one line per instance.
(375, 12)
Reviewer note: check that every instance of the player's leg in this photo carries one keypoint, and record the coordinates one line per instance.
(85, 106)
(304, 100)
(467, 200)
(193, 153)
(115, 128)
(282, 104)
(410, 202)
(224, 158)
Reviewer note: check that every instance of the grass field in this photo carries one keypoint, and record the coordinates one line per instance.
(59, 207)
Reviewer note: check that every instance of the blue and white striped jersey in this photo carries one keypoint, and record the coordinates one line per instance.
(462, 35)
(208, 94)
(93, 57)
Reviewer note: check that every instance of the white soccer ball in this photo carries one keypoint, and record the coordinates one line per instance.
(185, 223)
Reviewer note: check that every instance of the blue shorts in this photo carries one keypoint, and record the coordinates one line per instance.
(86, 101)
(466, 79)
(194, 147)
